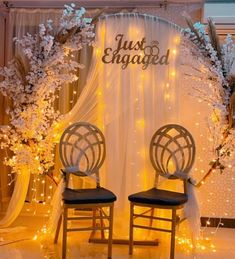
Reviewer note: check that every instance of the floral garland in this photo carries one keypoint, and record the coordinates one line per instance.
(31, 82)
(215, 72)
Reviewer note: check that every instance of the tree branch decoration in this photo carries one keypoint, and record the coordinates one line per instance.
(31, 82)
(216, 67)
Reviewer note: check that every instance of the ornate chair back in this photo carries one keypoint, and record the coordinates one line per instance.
(172, 152)
(82, 149)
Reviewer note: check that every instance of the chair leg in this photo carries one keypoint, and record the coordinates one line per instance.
(64, 244)
(58, 230)
(101, 224)
(131, 229)
(173, 226)
(94, 218)
(110, 231)
(151, 219)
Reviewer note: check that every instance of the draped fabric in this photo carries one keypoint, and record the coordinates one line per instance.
(17, 200)
(130, 104)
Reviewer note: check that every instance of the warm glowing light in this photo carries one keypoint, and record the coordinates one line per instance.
(215, 116)
(167, 96)
(174, 51)
(140, 123)
(143, 152)
(173, 73)
(171, 166)
(177, 40)
(98, 51)
(200, 244)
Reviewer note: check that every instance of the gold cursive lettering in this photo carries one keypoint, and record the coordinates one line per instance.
(106, 54)
(146, 55)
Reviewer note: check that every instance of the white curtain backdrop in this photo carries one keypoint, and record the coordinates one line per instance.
(130, 105)
(17, 200)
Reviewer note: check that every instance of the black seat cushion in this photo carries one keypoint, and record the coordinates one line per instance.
(85, 196)
(159, 197)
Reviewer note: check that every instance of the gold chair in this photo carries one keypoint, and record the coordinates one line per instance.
(82, 153)
(172, 154)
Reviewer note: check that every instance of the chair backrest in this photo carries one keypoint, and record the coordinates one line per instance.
(172, 150)
(82, 149)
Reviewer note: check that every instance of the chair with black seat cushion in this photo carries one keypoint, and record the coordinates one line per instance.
(82, 153)
(172, 154)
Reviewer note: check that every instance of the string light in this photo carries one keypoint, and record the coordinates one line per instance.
(98, 52)
(167, 96)
(140, 124)
(177, 40)
(200, 245)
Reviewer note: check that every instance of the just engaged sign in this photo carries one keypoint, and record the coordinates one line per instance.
(141, 53)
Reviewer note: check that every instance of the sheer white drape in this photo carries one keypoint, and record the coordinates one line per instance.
(17, 200)
(130, 105)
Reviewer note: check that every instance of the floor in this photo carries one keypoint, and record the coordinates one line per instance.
(19, 244)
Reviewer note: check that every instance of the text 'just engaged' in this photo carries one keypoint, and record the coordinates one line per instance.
(138, 53)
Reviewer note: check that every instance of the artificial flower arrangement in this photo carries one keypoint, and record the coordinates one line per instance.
(215, 73)
(31, 82)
